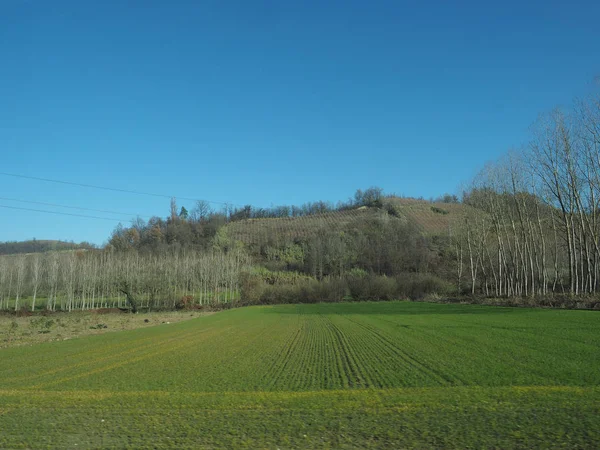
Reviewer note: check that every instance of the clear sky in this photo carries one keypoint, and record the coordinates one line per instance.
(267, 103)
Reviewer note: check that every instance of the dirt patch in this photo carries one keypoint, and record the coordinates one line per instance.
(33, 329)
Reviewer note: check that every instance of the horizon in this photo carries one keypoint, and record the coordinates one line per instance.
(268, 104)
(334, 205)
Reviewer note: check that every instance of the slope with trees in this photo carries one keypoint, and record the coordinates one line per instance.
(528, 226)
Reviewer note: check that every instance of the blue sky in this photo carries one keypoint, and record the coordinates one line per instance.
(270, 103)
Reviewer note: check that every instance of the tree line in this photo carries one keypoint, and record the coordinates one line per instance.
(36, 246)
(102, 279)
(534, 225)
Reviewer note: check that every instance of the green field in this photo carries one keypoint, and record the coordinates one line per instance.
(357, 375)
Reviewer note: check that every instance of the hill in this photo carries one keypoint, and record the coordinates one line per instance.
(277, 230)
(429, 217)
(40, 246)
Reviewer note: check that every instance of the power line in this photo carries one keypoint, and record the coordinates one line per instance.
(105, 188)
(60, 213)
(71, 207)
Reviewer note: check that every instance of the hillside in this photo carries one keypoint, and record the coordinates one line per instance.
(429, 217)
(36, 246)
(260, 231)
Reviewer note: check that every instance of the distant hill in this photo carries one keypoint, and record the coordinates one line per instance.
(429, 217)
(36, 246)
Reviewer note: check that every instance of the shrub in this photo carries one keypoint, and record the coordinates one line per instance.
(251, 288)
(276, 294)
(372, 287)
(306, 291)
(418, 285)
(327, 290)
(185, 302)
(42, 324)
(358, 285)
(437, 210)
(393, 210)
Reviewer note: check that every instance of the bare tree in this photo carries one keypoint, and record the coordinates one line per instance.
(35, 274)
(20, 267)
(201, 211)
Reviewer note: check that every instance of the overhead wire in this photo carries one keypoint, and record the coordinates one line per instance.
(57, 205)
(279, 226)
(106, 188)
(60, 213)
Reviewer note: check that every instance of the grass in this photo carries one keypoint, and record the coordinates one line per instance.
(357, 375)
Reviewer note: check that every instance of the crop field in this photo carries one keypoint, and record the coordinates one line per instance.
(260, 231)
(431, 217)
(351, 375)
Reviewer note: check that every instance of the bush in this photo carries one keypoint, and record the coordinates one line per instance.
(372, 287)
(393, 210)
(251, 288)
(185, 302)
(306, 291)
(437, 210)
(42, 324)
(358, 285)
(276, 294)
(328, 290)
(419, 285)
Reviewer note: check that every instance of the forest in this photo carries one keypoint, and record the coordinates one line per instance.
(527, 226)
